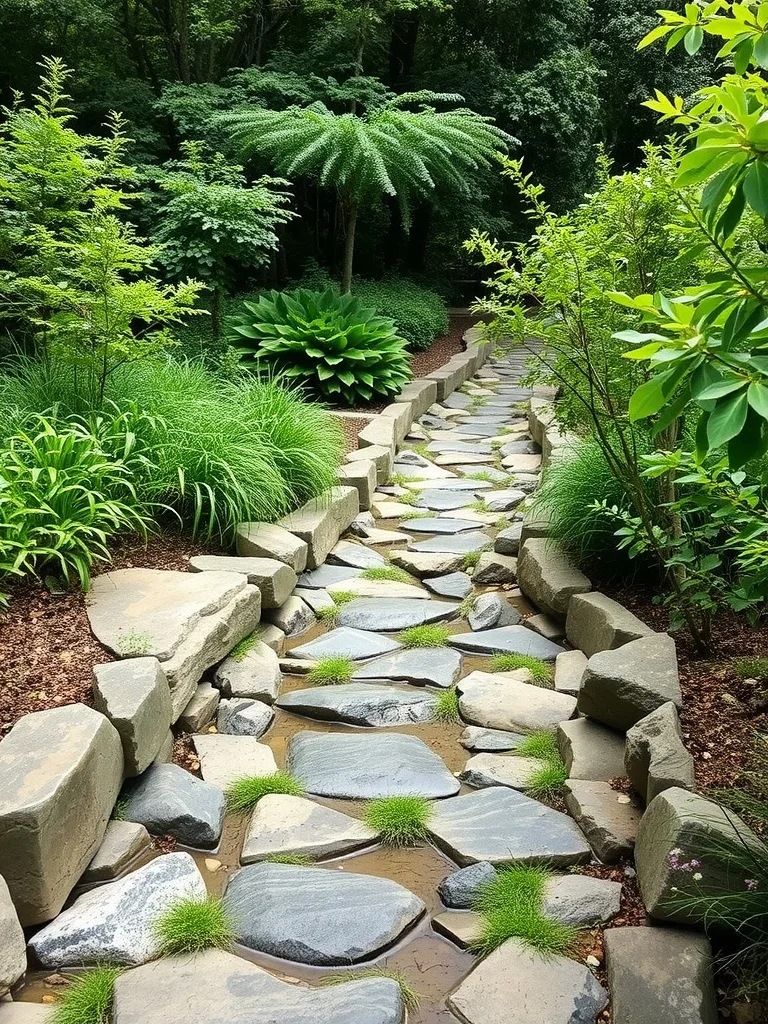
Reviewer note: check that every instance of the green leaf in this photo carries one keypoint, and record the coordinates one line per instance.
(760, 50)
(731, 216)
(693, 40)
(652, 395)
(720, 389)
(727, 419)
(756, 187)
(750, 443)
(757, 396)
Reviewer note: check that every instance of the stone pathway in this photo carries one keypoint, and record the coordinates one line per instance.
(448, 510)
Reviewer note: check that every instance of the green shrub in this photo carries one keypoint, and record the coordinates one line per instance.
(429, 635)
(540, 670)
(420, 315)
(191, 925)
(331, 671)
(88, 999)
(510, 906)
(244, 794)
(331, 343)
(399, 820)
(752, 668)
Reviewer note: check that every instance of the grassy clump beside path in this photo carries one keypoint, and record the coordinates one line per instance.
(192, 925)
(510, 907)
(330, 671)
(542, 673)
(430, 635)
(546, 782)
(410, 996)
(244, 794)
(446, 706)
(88, 1000)
(399, 820)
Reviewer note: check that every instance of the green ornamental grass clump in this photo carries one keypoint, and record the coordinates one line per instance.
(429, 635)
(542, 672)
(88, 999)
(243, 794)
(411, 998)
(192, 925)
(547, 781)
(332, 344)
(387, 572)
(399, 820)
(446, 706)
(331, 671)
(510, 907)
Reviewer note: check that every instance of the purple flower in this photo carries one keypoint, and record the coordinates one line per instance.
(751, 884)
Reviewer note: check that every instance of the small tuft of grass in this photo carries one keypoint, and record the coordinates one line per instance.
(416, 514)
(546, 782)
(540, 670)
(446, 706)
(192, 925)
(478, 506)
(399, 820)
(467, 605)
(244, 794)
(88, 999)
(330, 671)
(542, 744)
(387, 572)
(300, 860)
(120, 809)
(342, 597)
(411, 998)
(328, 615)
(470, 559)
(752, 668)
(430, 635)
(240, 651)
(510, 905)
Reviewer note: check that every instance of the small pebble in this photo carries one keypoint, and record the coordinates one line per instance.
(623, 799)
(212, 864)
(630, 872)
(592, 961)
(49, 999)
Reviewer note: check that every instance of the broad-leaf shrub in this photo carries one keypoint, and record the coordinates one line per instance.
(334, 345)
(420, 315)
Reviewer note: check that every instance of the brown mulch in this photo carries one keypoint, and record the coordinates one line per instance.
(352, 426)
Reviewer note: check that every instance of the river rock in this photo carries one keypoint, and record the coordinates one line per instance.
(607, 818)
(169, 801)
(125, 844)
(365, 767)
(254, 674)
(517, 985)
(392, 590)
(667, 972)
(356, 644)
(508, 541)
(506, 640)
(548, 576)
(243, 717)
(590, 751)
(598, 623)
(356, 556)
(224, 759)
(477, 738)
(495, 568)
(60, 773)
(460, 889)
(268, 540)
(504, 700)
(619, 687)
(581, 901)
(490, 611)
(214, 986)
(273, 577)
(325, 575)
(457, 585)
(318, 916)
(500, 770)
(201, 709)
(435, 666)
(390, 614)
(364, 704)
(503, 826)
(569, 671)
(656, 758)
(115, 923)
(439, 500)
(423, 564)
(13, 954)
(294, 825)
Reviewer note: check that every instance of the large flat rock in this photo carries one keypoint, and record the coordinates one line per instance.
(344, 642)
(390, 614)
(503, 700)
(224, 759)
(272, 576)
(392, 590)
(436, 666)
(168, 800)
(286, 825)
(361, 704)
(325, 575)
(115, 923)
(216, 987)
(364, 767)
(426, 563)
(254, 674)
(507, 640)
(60, 773)
(457, 585)
(318, 916)
(517, 985)
(134, 696)
(502, 826)
(458, 544)
(429, 524)
(440, 500)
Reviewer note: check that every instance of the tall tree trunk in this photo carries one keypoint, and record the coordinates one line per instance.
(349, 245)
(419, 236)
(402, 48)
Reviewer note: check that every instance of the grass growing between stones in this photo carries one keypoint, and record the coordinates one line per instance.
(470, 560)
(410, 996)
(399, 820)
(244, 794)
(241, 651)
(542, 672)
(510, 906)
(467, 605)
(330, 671)
(429, 635)
(88, 1000)
(387, 572)
(546, 782)
(329, 616)
(446, 706)
(192, 925)
(299, 860)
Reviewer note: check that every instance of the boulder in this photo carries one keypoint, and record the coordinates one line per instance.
(682, 850)
(547, 575)
(598, 623)
(255, 674)
(607, 818)
(60, 773)
(169, 801)
(546, 626)
(664, 975)
(656, 758)
(13, 953)
(569, 671)
(363, 476)
(590, 751)
(580, 900)
(134, 695)
(125, 845)
(495, 568)
(420, 393)
(274, 578)
(475, 737)
(292, 617)
(619, 687)
(322, 520)
(491, 610)
(201, 709)
(508, 541)
(115, 923)
(536, 523)
(241, 716)
(460, 889)
(505, 700)
(224, 759)
(165, 753)
(273, 542)
(273, 636)
(380, 455)
(293, 825)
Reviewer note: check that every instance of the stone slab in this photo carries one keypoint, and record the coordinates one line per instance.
(423, 564)
(201, 709)
(226, 758)
(439, 666)
(457, 585)
(389, 589)
(274, 577)
(256, 674)
(438, 525)
(547, 575)
(580, 900)
(293, 617)
(444, 500)
(607, 818)
(135, 697)
(345, 642)
(325, 575)
(491, 769)
(656, 758)
(284, 825)
(569, 671)
(322, 520)
(495, 568)
(13, 953)
(241, 716)
(391, 614)
(480, 739)
(458, 544)
(268, 540)
(124, 845)
(363, 476)
(460, 889)
(356, 556)
(598, 623)
(504, 700)
(507, 640)
(168, 800)
(363, 704)
(590, 751)
(380, 455)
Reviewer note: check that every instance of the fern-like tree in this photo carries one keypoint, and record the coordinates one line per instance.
(388, 150)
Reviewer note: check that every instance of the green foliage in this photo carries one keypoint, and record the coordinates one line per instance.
(241, 650)
(88, 998)
(510, 906)
(547, 781)
(192, 925)
(752, 668)
(470, 559)
(331, 671)
(399, 820)
(411, 998)
(332, 344)
(540, 670)
(419, 314)
(446, 706)
(387, 572)
(299, 860)
(244, 794)
(429, 635)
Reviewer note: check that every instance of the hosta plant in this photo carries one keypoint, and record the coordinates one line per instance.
(338, 348)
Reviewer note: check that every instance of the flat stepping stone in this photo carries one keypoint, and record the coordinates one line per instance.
(457, 400)
(445, 501)
(502, 826)
(608, 818)
(390, 509)
(427, 563)
(224, 759)
(361, 704)
(473, 447)
(503, 501)
(392, 614)
(507, 640)
(215, 986)
(325, 575)
(343, 642)
(498, 476)
(316, 599)
(439, 666)
(462, 927)
(460, 544)
(392, 589)
(318, 916)
(520, 448)
(422, 472)
(500, 770)
(463, 459)
(167, 800)
(284, 825)
(433, 525)
(454, 484)
(480, 739)
(244, 717)
(517, 985)
(503, 700)
(115, 923)
(479, 429)
(434, 423)
(357, 556)
(376, 538)
(365, 767)
(456, 584)
(522, 463)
